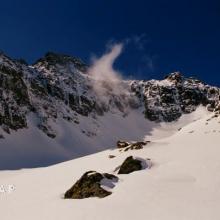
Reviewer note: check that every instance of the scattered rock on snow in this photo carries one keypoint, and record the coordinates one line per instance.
(131, 146)
(90, 185)
(122, 144)
(136, 145)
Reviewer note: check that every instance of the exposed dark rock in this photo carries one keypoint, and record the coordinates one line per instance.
(130, 165)
(122, 144)
(47, 130)
(52, 59)
(89, 185)
(14, 99)
(55, 90)
(167, 100)
(125, 146)
(175, 77)
(38, 88)
(136, 145)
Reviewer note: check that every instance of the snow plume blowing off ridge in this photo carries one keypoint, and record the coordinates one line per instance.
(106, 79)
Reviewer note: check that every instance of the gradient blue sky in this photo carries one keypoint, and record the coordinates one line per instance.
(164, 36)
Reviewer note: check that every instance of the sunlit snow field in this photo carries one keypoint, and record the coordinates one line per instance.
(183, 182)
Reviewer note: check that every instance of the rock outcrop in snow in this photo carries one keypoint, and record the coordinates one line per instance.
(130, 165)
(125, 146)
(90, 185)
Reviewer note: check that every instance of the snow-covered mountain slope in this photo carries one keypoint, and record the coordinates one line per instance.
(183, 182)
(53, 111)
(32, 148)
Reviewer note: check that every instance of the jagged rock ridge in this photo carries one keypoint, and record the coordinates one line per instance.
(58, 86)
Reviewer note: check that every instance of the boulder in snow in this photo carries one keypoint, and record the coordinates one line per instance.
(90, 185)
(130, 165)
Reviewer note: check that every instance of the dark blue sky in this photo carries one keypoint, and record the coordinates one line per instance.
(165, 36)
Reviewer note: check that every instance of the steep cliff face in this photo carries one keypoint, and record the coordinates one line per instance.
(14, 98)
(58, 86)
(168, 99)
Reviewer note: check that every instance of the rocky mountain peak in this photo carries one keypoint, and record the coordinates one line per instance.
(175, 77)
(52, 59)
